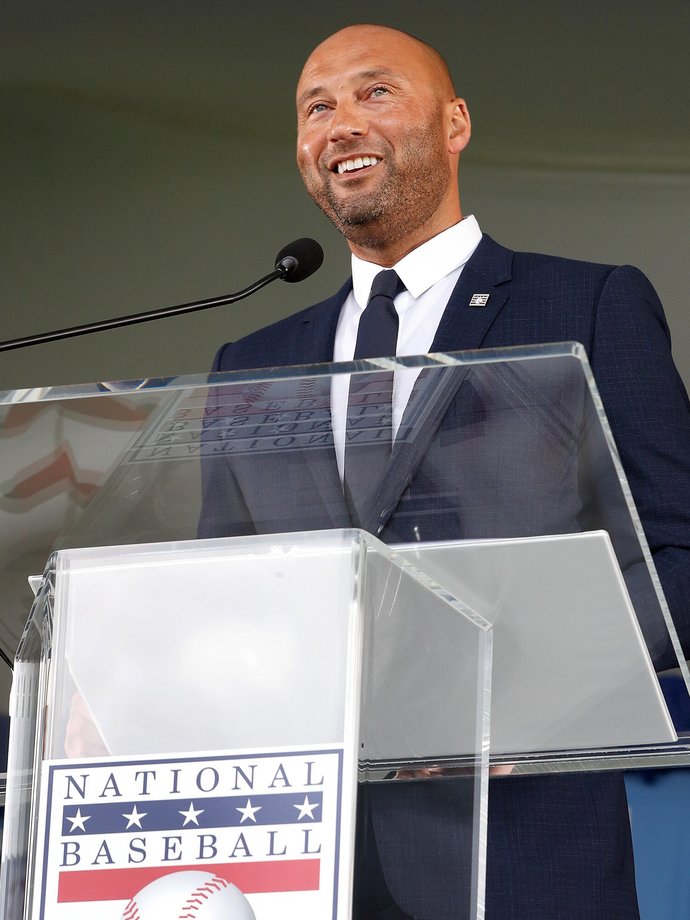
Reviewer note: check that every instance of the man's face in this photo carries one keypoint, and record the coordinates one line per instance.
(374, 114)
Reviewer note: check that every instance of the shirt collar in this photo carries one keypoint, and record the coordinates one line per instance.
(424, 266)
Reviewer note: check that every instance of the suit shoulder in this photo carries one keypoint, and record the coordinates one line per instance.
(579, 280)
(278, 343)
(537, 272)
(540, 263)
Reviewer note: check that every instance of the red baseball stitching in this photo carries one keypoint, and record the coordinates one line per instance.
(199, 895)
(194, 901)
(131, 912)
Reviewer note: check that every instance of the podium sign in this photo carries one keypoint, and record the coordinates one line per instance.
(223, 680)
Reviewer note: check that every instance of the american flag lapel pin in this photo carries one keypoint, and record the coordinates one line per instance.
(479, 300)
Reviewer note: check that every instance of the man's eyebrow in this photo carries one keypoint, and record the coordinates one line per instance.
(375, 74)
(309, 94)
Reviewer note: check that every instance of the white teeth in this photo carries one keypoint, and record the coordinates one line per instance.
(357, 163)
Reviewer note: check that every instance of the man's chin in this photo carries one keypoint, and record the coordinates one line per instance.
(362, 213)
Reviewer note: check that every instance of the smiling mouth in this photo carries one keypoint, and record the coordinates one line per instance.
(356, 164)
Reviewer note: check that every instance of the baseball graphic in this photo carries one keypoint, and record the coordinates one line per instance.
(189, 896)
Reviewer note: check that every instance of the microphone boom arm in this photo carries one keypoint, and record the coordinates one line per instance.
(134, 318)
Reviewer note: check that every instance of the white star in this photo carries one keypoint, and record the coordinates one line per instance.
(134, 818)
(306, 808)
(248, 812)
(78, 821)
(191, 816)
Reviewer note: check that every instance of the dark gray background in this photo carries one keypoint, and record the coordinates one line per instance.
(147, 158)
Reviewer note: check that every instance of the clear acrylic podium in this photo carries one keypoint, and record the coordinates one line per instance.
(229, 676)
(503, 488)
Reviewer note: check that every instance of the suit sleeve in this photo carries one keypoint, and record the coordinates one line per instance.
(648, 410)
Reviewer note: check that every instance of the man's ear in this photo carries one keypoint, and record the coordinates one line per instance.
(460, 126)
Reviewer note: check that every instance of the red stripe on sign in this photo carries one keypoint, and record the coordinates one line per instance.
(250, 878)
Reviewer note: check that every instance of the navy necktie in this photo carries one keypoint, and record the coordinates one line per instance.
(369, 432)
(377, 335)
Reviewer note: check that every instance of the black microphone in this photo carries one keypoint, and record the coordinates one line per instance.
(299, 259)
(295, 262)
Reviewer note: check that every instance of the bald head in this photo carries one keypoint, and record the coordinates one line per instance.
(385, 40)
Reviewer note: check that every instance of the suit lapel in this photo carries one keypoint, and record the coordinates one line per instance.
(433, 392)
(320, 460)
(462, 328)
(312, 339)
(312, 342)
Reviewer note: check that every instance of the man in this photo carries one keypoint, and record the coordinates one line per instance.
(380, 133)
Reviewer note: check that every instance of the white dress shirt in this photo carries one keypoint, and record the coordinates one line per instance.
(429, 274)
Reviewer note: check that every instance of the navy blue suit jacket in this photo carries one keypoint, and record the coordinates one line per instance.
(558, 846)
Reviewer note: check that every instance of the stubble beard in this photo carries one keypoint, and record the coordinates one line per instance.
(407, 196)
